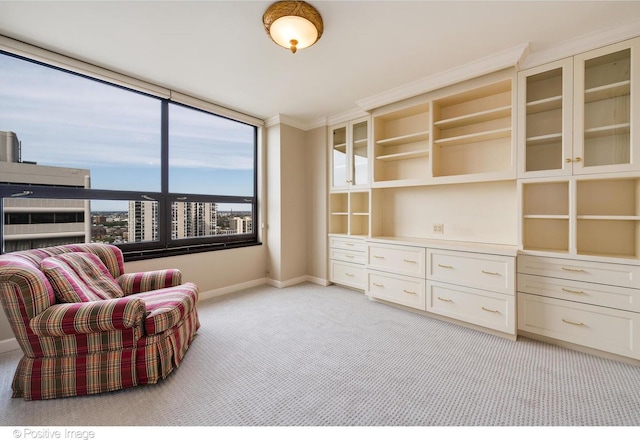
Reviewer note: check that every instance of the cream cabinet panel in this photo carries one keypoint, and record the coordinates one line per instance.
(347, 243)
(590, 293)
(602, 328)
(348, 256)
(484, 271)
(347, 274)
(480, 307)
(407, 291)
(623, 275)
(404, 260)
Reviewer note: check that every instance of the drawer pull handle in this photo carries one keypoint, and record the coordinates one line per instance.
(490, 310)
(445, 299)
(445, 266)
(349, 274)
(350, 244)
(378, 256)
(409, 292)
(490, 273)
(570, 269)
(350, 256)
(573, 322)
(579, 292)
(378, 285)
(410, 261)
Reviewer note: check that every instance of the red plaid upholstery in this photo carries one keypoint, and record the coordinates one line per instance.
(72, 349)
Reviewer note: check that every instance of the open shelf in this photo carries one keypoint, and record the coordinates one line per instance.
(404, 139)
(404, 155)
(474, 137)
(474, 118)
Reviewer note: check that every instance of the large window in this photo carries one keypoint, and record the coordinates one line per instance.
(85, 160)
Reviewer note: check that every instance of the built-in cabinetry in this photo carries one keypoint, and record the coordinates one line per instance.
(579, 196)
(474, 287)
(575, 115)
(592, 303)
(347, 261)
(462, 133)
(539, 167)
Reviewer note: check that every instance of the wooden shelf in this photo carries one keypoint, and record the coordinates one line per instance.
(547, 216)
(339, 213)
(607, 130)
(607, 91)
(609, 217)
(544, 105)
(474, 118)
(404, 139)
(360, 142)
(403, 156)
(544, 139)
(474, 137)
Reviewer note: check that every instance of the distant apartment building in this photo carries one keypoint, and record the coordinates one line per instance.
(188, 219)
(243, 225)
(30, 222)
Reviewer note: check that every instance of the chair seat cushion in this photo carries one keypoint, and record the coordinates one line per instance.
(167, 307)
(80, 277)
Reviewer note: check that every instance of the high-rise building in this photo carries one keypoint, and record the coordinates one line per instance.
(244, 225)
(188, 219)
(31, 222)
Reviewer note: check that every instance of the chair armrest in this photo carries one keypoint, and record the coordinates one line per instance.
(137, 282)
(89, 317)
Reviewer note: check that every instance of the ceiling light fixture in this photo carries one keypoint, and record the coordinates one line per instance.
(293, 25)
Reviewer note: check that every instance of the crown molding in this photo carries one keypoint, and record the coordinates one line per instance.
(295, 123)
(349, 115)
(583, 43)
(479, 67)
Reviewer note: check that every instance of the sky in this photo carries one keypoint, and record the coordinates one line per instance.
(69, 121)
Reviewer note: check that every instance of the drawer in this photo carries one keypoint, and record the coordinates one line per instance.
(623, 275)
(347, 256)
(347, 274)
(479, 307)
(398, 289)
(352, 244)
(610, 330)
(404, 260)
(615, 297)
(482, 271)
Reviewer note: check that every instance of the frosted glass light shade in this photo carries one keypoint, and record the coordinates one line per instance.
(293, 24)
(288, 28)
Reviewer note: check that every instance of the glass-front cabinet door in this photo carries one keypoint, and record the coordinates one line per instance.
(339, 163)
(350, 155)
(545, 120)
(607, 109)
(360, 153)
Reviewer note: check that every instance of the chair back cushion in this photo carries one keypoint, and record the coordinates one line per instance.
(80, 277)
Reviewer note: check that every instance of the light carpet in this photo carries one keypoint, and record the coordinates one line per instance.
(327, 356)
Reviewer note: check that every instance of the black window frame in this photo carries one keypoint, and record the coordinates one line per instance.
(165, 246)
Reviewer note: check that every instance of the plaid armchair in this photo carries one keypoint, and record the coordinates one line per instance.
(86, 327)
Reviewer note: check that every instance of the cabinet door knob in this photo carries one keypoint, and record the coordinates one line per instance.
(578, 159)
(568, 160)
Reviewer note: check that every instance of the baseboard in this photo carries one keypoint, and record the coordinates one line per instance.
(8, 345)
(230, 289)
(298, 280)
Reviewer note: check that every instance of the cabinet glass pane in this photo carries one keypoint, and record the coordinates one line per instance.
(607, 109)
(339, 157)
(544, 121)
(360, 154)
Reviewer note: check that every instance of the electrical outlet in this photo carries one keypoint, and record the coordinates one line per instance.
(438, 228)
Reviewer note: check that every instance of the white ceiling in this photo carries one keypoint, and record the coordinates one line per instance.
(219, 51)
